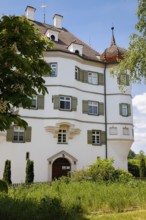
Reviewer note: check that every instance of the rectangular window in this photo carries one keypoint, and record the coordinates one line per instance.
(54, 69)
(18, 134)
(124, 110)
(65, 103)
(34, 102)
(95, 137)
(93, 108)
(62, 136)
(92, 78)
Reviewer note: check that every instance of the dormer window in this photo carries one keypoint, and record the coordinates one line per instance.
(52, 38)
(76, 48)
(52, 35)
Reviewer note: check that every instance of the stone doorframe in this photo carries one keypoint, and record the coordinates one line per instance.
(61, 154)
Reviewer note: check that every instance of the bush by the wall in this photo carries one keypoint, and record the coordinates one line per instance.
(142, 167)
(29, 172)
(133, 169)
(7, 172)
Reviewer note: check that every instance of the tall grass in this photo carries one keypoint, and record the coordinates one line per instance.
(68, 201)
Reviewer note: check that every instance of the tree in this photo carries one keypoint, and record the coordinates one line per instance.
(7, 172)
(22, 67)
(131, 154)
(29, 172)
(142, 167)
(135, 58)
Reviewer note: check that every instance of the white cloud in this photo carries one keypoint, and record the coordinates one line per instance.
(139, 102)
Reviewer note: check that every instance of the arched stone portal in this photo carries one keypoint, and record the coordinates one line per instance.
(60, 167)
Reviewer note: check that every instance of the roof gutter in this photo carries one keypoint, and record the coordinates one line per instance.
(105, 110)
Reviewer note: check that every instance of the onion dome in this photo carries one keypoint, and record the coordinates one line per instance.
(113, 53)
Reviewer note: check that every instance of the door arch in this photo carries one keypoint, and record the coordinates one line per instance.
(60, 167)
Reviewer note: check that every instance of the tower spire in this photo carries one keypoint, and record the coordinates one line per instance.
(113, 42)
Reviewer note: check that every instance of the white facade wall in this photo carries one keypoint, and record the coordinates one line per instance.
(43, 145)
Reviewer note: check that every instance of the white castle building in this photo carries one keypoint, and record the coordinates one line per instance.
(84, 115)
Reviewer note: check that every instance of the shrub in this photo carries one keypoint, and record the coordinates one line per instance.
(102, 170)
(29, 172)
(3, 186)
(133, 169)
(7, 172)
(122, 176)
(142, 168)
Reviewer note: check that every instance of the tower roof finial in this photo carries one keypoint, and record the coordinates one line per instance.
(113, 42)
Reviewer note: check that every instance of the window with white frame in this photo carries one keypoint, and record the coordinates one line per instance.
(34, 102)
(95, 137)
(65, 103)
(62, 136)
(18, 134)
(92, 78)
(124, 110)
(54, 69)
(93, 108)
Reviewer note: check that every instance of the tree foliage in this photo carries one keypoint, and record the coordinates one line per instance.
(135, 57)
(22, 67)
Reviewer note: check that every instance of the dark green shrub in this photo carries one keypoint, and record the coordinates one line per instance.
(29, 172)
(3, 186)
(7, 172)
(133, 169)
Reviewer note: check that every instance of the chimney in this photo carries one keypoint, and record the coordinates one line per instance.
(29, 12)
(58, 21)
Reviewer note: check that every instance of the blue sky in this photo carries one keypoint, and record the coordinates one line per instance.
(91, 22)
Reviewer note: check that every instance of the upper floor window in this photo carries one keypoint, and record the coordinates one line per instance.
(34, 102)
(92, 78)
(123, 79)
(93, 107)
(53, 69)
(62, 136)
(76, 73)
(65, 103)
(125, 109)
(18, 134)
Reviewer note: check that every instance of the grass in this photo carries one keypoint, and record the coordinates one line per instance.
(75, 201)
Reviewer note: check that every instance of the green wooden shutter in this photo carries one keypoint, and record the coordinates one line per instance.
(100, 79)
(40, 102)
(120, 108)
(102, 137)
(101, 108)
(85, 76)
(73, 103)
(85, 107)
(10, 134)
(89, 136)
(28, 134)
(81, 75)
(56, 100)
(129, 109)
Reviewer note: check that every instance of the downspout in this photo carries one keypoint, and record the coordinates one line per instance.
(105, 110)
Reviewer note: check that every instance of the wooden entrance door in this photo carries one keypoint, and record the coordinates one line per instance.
(60, 167)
